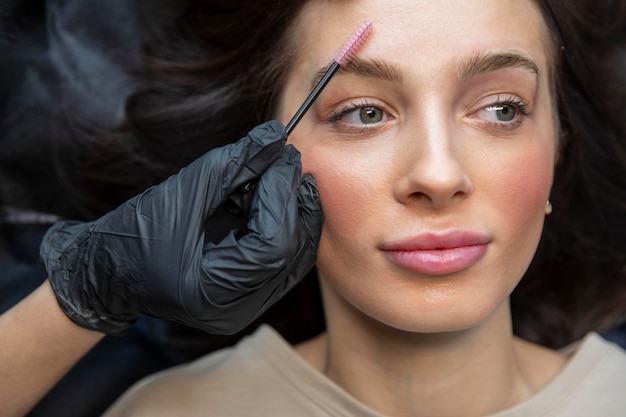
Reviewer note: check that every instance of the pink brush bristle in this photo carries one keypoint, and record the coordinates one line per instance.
(353, 44)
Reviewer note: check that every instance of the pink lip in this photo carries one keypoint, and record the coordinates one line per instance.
(437, 253)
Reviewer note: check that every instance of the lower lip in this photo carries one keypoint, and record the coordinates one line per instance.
(437, 262)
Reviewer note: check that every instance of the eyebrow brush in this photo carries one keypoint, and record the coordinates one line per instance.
(347, 51)
(238, 203)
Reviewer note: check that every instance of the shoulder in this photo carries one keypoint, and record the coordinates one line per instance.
(607, 365)
(233, 381)
(597, 357)
(593, 381)
(591, 384)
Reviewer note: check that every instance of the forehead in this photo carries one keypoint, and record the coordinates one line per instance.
(422, 33)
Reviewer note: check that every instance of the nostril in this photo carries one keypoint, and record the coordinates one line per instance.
(419, 197)
(435, 199)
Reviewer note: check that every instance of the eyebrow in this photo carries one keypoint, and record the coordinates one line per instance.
(374, 68)
(483, 63)
(473, 66)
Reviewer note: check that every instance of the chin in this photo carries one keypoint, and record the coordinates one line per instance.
(439, 319)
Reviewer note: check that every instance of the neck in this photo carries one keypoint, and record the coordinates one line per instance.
(471, 372)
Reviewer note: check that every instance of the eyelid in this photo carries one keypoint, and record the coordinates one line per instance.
(511, 99)
(353, 104)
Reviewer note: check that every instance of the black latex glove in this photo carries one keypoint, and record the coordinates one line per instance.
(151, 255)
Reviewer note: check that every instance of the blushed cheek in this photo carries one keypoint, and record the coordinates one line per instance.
(525, 187)
(345, 226)
(342, 189)
(338, 193)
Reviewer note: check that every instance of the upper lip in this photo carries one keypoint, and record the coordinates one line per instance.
(436, 241)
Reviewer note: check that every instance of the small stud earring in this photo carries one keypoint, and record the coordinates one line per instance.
(548, 207)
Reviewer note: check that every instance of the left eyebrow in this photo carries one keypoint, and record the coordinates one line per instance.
(483, 63)
(373, 68)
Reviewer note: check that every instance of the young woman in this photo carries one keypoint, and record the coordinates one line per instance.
(434, 153)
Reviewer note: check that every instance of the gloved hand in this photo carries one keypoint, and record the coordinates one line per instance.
(151, 255)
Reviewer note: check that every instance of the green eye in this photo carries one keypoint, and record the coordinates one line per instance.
(370, 115)
(500, 113)
(360, 114)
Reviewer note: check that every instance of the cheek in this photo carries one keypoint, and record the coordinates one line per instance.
(341, 185)
(352, 192)
(518, 195)
(525, 183)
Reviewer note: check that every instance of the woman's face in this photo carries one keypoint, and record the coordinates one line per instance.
(433, 155)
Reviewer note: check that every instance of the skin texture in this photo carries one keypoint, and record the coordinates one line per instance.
(436, 160)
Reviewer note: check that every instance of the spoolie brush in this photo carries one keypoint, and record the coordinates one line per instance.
(238, 203)
(345, 54)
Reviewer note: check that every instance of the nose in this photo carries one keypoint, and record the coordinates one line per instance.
(432, 166)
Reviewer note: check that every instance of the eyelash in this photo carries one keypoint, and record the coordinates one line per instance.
(514, 102)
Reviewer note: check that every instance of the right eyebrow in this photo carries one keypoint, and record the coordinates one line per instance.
(374, 68)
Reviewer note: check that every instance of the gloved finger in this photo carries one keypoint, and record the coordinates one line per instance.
(249, 300)
(311, 219)
(241, 277)
(217, 174)
(179, 207)
(310, 209)
(245, 264)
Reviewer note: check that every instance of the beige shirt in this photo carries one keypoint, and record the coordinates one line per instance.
(264, 376)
